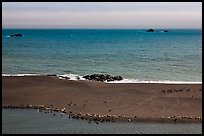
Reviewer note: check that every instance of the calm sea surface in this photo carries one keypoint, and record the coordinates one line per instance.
(21, 121)
(133, 54)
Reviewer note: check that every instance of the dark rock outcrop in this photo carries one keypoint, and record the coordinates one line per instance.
(52, 75)
(165, 31)
(118, 78)
(16, 35)
(150, 30)
(102, 77)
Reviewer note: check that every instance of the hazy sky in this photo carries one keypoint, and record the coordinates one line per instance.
(102, 15)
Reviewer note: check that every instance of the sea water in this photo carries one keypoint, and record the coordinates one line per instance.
(174, 56)
(136, 55)
(22, 121)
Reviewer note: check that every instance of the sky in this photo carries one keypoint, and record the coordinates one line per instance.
(102, 15)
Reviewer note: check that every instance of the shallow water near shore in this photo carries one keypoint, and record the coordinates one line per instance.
(19, 121)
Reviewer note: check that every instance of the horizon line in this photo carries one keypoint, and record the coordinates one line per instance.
(104, 28)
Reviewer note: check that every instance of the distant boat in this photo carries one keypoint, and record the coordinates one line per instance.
(16, 35)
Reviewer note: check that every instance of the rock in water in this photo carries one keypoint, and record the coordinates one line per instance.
(102, 77)
(16, 35)
(52, 75)
(118, 78)
(150, 30)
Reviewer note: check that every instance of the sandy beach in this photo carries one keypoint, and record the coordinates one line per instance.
(124, 101)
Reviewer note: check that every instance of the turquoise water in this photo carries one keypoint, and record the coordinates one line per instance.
(133, 54)
(21, 121)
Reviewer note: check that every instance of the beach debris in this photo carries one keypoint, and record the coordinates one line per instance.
(174, 90)
(69, 103)
(199, 118)
(169, 91)
(56, 109)
(200, 89)
(187, 90)
(181, 90)
(95, 117)
(163, 91)
(190, 117)
(108, 115)
(63, 110)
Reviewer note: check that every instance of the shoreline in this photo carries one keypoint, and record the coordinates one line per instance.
(74, 77)
(133, 102)
(109, 118)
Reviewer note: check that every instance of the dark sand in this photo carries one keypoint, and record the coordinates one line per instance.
(146, 101)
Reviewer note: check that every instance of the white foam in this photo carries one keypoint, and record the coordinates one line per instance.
(153, 81)
(71, 76)
(77, 77)
(20, 74)
(74, 77)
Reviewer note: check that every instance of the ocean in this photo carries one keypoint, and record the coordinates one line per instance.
(134, 54)
(22, 121)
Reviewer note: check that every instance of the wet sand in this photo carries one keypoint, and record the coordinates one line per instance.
(124, 101)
